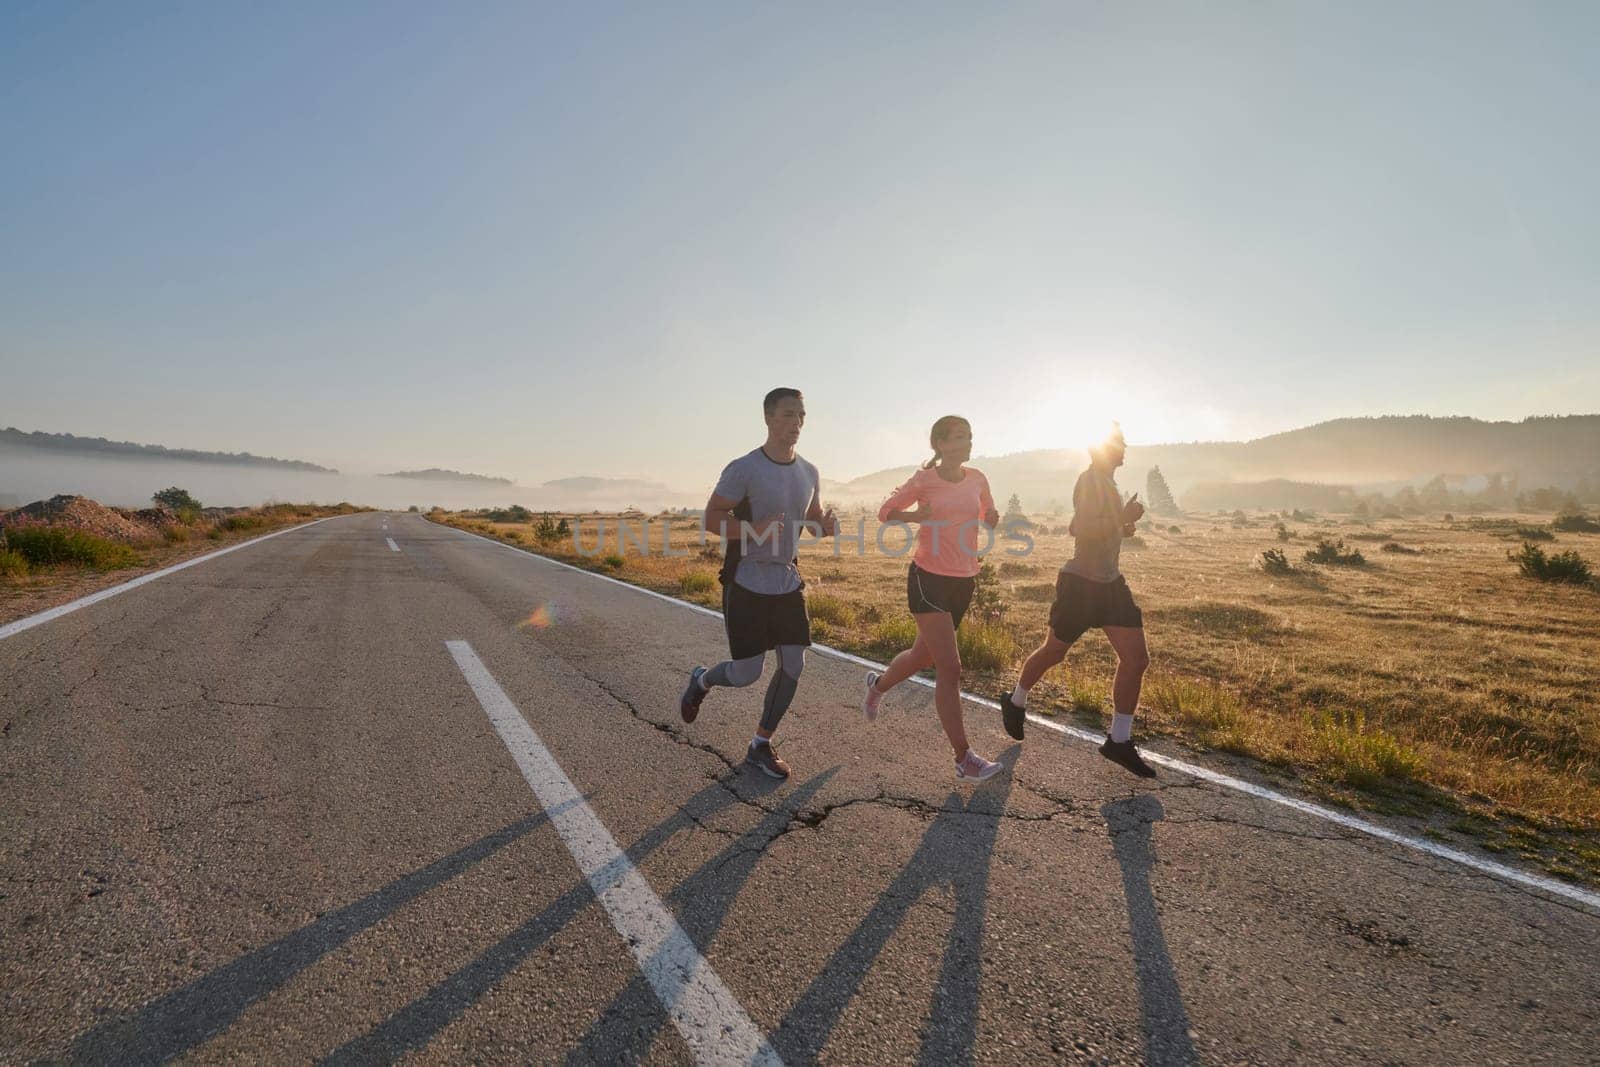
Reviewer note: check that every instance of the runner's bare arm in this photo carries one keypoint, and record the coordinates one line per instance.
(719, 516)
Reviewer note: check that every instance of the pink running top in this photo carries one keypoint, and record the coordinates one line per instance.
(949, 546)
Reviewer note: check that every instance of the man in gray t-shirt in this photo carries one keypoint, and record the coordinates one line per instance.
(761, 504)
(787, 490)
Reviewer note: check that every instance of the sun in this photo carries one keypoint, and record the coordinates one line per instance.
(1076, 416)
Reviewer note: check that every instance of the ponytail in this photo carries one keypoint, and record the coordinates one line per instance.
(941, 428)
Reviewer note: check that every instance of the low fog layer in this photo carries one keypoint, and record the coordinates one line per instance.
(30, 474)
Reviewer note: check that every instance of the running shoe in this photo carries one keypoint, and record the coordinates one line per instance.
(871, 699)
(1012, 715)
(767, 760)
(693, 696)
(1124, 754)
(974, 768)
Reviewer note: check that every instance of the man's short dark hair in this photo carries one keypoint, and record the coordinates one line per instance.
(770, 404)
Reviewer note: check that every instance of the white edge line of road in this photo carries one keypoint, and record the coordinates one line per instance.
(1227, 781)
(392, 546)
(12, 628)
(703, 1009)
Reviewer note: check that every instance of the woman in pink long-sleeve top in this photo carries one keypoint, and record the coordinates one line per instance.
(952, 502)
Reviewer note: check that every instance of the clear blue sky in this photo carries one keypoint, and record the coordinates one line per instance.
(547, 240)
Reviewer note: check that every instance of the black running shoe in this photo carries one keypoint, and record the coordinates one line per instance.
(693, 696)
(1012, 715)
(1124, 754)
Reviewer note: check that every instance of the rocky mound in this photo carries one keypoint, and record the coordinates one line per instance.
(81, 513)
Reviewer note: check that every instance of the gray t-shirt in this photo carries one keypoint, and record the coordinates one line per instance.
(771, 487)
(1096, 527)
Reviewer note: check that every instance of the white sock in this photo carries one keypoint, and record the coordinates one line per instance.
(1019, 697)
(759, 740)
(1121, 727)
(700, 682)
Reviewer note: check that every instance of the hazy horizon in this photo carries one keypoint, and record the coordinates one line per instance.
(535, 242)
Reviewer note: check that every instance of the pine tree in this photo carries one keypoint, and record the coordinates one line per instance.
(1158, 497)
(1013, 506)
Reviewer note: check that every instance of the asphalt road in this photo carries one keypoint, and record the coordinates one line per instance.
(265, 809)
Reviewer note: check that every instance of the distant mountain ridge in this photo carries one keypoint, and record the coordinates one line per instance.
(66, 442)
(1382, 451)
(439, 474)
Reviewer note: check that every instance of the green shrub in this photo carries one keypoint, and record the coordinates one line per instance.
(1333, 553)
(1345, 747)
(46, 546)
(545, 531)
(985, 646)
(177, 499)
(1566, 567)
(1395, 546)
(830, 609)
(413, 509)
(1532, 533)
(1175, 529)
(1575, 522)
(13, 564)
(1283, 532)
(1273, 561)
(697, 582)
(612, 562)
(245, 520)
(892, 636)
(988, 600)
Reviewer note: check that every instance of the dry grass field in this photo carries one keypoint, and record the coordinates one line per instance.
(69, 562)
(1433, 682)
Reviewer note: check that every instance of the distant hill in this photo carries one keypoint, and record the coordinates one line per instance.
(1344, 454)
(437, 474)
(66, 442)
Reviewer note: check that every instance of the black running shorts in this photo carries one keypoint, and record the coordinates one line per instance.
(1082, 604)
(758, 623)
(927, 593)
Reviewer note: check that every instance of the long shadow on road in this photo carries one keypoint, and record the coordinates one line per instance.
(1166, 1023)
(190, 1016)
(627, 1028)
(956, 851)
(414, 1025)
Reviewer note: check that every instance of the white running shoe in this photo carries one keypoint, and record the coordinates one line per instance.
(974, 768)
(871, 699)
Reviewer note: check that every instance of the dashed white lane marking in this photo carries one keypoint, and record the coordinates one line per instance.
(392, 546)
(704, 1010)
(1349, 822)
(43, 617)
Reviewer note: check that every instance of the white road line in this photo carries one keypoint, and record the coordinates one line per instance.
(12, 628)
(704, 1010)
(1349, 822)
(392, 546)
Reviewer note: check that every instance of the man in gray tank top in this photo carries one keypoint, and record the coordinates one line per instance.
(1091, 592)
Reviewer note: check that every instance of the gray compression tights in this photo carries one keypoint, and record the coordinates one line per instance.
(739, 673)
